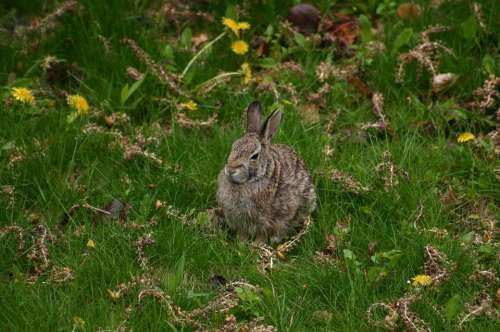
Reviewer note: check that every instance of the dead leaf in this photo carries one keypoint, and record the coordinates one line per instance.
(262, 49)
(372, 248)
(199, 39)
(360, 86)
(441, 82)
(347, 32)
(344, 31)
(134, 74)
(109, 121)
(409, 12)
(344, 225)
(331, 247)
(304, 17)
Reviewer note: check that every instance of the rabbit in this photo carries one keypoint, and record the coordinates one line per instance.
(265, 190)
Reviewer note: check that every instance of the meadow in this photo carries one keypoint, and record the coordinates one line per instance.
(117, 116)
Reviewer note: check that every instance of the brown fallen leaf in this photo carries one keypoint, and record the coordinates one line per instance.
(158, 204)
(134, 74)
(441, 82)
(409, 12)
(331, 241)
(304, 17)
(372, 247)
(199, 39)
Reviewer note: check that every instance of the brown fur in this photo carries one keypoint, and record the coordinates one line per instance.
(267, 196)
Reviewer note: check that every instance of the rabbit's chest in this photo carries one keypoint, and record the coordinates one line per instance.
(241, 207)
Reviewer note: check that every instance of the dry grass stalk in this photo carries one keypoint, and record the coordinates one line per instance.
(124, 289)
(157, 70)
(197, 317)
(481, 305)
(325, 71)
(106, 44)
(268, 84)
(178, 12)
(132, 147)
(39, 253)
(290, 89)
(20, 235)
(478, 13)
(231, 325)
(437, 265)
(486, 277)
(326, 256)
(425, 53)
(487, 94)
(390, 172)
(378, 108)
(319, 97)
(185, 122)
(219, 80)
(134, 74)
(482, 221)
(397, 310)
(332, 122)
(48, 22)
(411, 321)
(291, 66)
(348, 182)
(179, 316)
(16, 155)
(287, 246)
(61, 274)
(268, 255)
(375, 47)
(221, 304)
(140, 244)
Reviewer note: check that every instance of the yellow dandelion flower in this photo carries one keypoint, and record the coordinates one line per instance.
(23, 95)
(231, 24)
(90, 244)
(190, 105)
(247, 71)
(244, 26)
(465, 137)
(79, 103)
(421, 280)
(240, 47)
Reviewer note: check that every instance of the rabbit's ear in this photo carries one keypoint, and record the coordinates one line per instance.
(253, 117)
(270, 127)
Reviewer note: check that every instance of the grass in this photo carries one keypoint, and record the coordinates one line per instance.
(67, 167)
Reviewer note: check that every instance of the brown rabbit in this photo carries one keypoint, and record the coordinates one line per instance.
(265, 189)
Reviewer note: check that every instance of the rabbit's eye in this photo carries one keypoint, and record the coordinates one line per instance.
(255, 156)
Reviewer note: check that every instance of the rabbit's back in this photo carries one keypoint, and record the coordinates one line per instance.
(295, 196)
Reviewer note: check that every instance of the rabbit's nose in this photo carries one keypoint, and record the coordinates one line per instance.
(230, 171)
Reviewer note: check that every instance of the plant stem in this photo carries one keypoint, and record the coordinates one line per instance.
(197, 55)
(233, 73)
